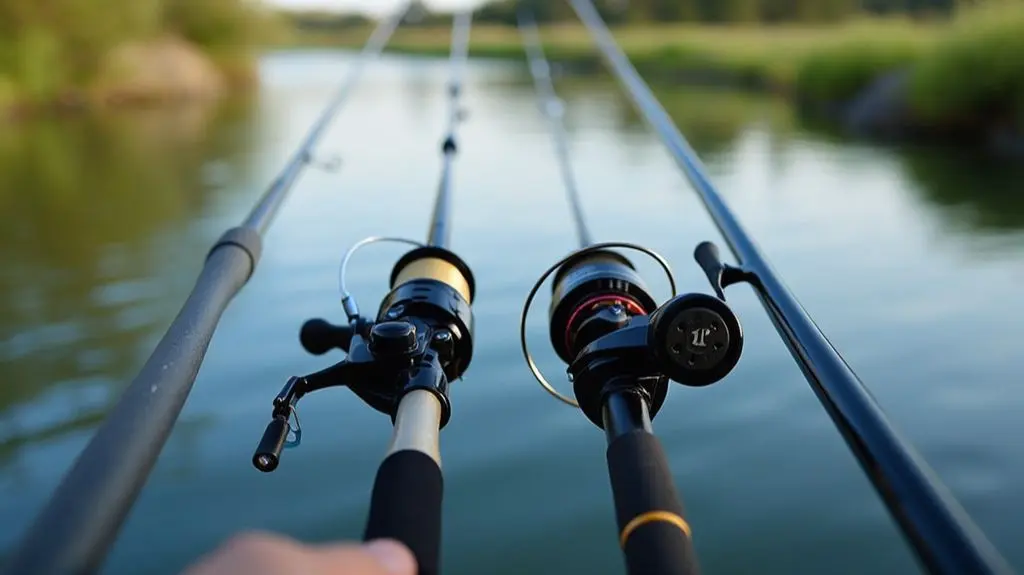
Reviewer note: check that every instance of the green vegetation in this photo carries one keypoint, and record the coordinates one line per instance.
(59, 50)
(838, 71)
(976, 72)
(966, 58)
(782, 58)
(715, 11)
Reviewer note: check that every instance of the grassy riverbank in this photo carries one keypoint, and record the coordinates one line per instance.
(113, 51)
(968, 71)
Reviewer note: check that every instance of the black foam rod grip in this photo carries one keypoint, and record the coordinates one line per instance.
(406, 506)
(653, 531)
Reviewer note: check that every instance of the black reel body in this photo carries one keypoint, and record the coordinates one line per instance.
(608, 329)
(421, 339)
(693, 339)
(444, 317)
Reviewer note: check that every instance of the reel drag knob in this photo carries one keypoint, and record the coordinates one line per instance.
(393, 339)
(696, 339)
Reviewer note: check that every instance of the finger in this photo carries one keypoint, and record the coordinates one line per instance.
(263, 554)
(252, 553)
(383, 557)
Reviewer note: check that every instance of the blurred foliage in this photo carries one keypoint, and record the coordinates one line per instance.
(976, 73)
(50, 48)
(766, 57)
(717, 11)
(967, 56)
(211, 23)
(839, 72)
(315, 20)
(976, 192)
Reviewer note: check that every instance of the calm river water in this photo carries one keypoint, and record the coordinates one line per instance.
(911, 261)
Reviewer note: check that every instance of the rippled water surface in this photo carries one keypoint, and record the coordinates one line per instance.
(911, 261)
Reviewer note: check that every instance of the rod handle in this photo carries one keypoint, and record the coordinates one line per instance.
(406, 506)
(653, 531)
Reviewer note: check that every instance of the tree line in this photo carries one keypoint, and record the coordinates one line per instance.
(720, 11)
(639, 11)
(45, 44)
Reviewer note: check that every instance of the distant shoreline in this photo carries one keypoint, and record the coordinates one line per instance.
(890, 79)
(67, 55)
(880, 79)
(163, 71)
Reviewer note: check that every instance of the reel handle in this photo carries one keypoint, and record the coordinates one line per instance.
(268, 452)
(319, 336)
(695, 339)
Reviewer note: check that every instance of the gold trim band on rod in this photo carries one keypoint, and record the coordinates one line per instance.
(651, 517)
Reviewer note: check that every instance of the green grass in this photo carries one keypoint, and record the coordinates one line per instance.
(773, 57)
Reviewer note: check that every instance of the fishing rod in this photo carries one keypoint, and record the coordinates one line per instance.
(439, 232)
(621, 350)
(401, 362)
(553, 109)
(597, 292)
(76, 529)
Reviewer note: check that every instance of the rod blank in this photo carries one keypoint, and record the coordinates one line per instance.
(936, 526)
(440, 227)
(554, 110)
(260, 217)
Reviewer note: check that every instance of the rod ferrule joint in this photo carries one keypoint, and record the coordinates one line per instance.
(247, 239)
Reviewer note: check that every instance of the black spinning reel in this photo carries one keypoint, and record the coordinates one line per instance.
(607, 327)
(421, 339)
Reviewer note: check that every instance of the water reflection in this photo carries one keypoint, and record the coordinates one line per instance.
(973, 192)
(712, 120)
(84, 206)
(103, 250)
(419, 85)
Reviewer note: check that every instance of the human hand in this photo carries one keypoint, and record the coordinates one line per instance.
(263, 554)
